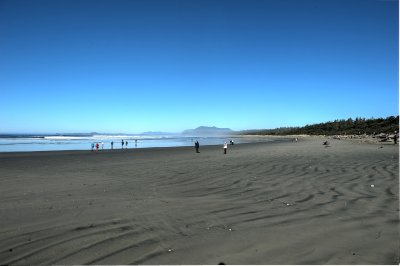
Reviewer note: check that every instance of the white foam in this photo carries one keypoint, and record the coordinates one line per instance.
(65, 138)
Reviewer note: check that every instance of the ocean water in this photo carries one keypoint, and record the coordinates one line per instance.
(21, 143)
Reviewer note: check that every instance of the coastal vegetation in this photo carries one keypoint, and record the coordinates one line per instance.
(350, 126)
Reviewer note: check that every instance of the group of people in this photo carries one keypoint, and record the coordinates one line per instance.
(97, 146)
(197, 145)
(123, 144)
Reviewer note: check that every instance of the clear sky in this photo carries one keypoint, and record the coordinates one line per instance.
(168, 65)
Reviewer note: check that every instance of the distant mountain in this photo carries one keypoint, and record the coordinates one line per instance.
(208, 131)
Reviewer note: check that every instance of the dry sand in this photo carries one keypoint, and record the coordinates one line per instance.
(265, 203)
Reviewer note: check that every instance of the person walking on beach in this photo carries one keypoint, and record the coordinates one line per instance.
(112, 144)
(97, 146)
(197, 146)
(135, 143)
(225, 147)
(102, 145)
(395, 137)
(122, 144)
(126, 144)
(92, 146)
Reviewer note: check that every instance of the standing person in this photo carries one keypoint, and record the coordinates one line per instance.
(126, 144)
(225, 147)
(395, 137)
(102, 145)
(112, 144)
(92, 146)
(135, 143)
(122, 144)
(197, 146)
(97, 146)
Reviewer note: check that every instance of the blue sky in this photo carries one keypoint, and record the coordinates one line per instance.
(169, 65)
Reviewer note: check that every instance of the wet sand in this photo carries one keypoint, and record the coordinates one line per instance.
(264, 203)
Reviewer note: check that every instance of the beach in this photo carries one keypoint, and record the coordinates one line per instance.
(279, 202)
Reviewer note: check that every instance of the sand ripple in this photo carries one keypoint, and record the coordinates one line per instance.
(285, 203)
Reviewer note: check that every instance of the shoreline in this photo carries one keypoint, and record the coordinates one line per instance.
(138, 148)
(253, 139)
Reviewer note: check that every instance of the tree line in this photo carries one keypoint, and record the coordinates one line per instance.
(350, 126)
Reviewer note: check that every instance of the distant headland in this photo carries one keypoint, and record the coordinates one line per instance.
(208, 131)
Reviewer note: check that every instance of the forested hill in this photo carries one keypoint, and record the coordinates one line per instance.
(338, 127)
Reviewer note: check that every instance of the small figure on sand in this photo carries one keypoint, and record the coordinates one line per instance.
(92, 146)
(395, 138)
(97, 146)
(232, 142)
(122, 144)
(112, 144)
(135, 143)
(126, 144)
(102, 145)
(197, 146)
(225, 147)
